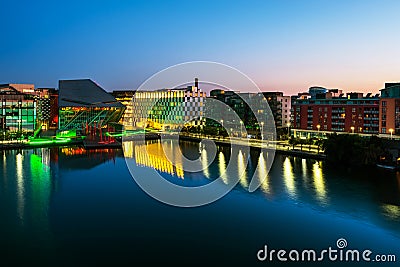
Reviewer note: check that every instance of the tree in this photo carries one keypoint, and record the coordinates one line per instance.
(352, 149)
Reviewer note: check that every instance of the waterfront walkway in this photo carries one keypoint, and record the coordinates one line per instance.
(281, 147)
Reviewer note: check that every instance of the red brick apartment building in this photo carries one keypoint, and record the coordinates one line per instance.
(389, 109)
(331, 110)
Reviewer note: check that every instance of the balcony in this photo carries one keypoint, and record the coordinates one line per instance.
(338, 123)
(337, 129)
(371, 111)
(371, 119)
(338, 118)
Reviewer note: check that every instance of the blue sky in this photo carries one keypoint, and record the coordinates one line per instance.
(282, 45)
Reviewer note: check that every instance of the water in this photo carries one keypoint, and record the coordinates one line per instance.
(72, 207)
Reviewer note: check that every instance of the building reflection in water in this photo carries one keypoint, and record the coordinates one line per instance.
(32, 179)
(151, 154)
(288, 177)
(319, 183)
(73, 157)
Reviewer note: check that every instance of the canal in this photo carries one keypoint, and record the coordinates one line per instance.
(74, 207)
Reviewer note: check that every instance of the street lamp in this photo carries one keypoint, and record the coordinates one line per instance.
(318, 127)
(241, 125)
(391, 133)
(288, 129)
(352, 129)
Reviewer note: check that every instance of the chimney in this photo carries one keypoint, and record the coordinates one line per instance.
(196, 83)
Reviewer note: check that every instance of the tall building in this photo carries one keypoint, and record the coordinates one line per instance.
(125, 98)
(167, 109)
(47, 107)
(17, 107)
(280, 106)
(389, 109)
(330, 110)
(83, 103)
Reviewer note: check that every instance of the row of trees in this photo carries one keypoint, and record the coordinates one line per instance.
(205, 130)
(352, 149)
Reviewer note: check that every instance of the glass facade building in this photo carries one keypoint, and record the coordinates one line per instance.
(168, 109)
(83, 103)
(18, 108)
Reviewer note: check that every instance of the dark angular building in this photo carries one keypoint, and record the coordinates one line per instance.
(84, 103)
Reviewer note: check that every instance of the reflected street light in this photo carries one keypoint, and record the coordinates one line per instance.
(391, 133)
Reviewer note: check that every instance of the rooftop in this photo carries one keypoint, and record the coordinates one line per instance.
(84, 93)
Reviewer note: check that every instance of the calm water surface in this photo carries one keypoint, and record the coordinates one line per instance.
(72, 207)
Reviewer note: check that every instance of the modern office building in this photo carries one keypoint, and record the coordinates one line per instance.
(235, 103)
(83, 103)
(17, 107)
(246, 106)
(167, 109)
(389, 109)
(331, 110)
(125, 98)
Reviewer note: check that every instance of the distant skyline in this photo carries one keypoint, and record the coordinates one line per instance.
(282, 45)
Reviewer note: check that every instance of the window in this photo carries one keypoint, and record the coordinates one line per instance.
(383, 110)
(383, 103)
(383, 130)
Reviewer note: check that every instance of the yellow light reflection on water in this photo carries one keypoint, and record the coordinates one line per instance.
(391, 211)
(288, 177)
(204, 163)
(153, 156)
(319, 183)
(263, 174)
(304, 169)
(20, 185)
(222, 167)
(242, 170)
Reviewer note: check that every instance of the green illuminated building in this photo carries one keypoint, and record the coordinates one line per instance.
(17, 108)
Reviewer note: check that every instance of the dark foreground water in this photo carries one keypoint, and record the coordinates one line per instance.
(71, 207)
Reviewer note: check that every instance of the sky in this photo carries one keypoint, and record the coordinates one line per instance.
(282, 45)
